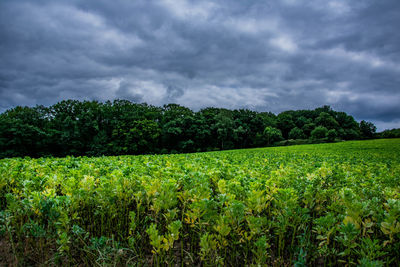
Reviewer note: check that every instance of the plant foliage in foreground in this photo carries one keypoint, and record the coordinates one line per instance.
(327, 204)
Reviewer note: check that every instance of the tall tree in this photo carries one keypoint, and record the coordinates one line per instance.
(367, 129)
(285, 123)
(272, 135)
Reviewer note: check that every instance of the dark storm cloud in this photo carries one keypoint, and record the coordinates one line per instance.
(264, 55)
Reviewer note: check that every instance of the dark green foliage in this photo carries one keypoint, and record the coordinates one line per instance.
(368, 129)
(393, 133)
(285, 123)
(307, 128)
(91, 128)
(296, 133)
(319, 132)
(272, 135)
(326, 120)
(331, 135)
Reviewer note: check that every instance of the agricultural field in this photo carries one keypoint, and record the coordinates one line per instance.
(309, 205)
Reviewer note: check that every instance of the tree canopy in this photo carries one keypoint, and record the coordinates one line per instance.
(93, 128)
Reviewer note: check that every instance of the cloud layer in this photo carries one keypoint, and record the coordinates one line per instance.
(261, 55)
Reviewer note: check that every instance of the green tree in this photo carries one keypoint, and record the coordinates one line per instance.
(319, 132)
(272, 135)
(176, 121)
(224, 127)
(326, 120)
(367, 129)
(307, 129)
(331, 135)
(18, 139)
(393, 133)
(301, 121)
(296, 133)
(285, 123)
(23, 132)
(143, 137)
(93, 128)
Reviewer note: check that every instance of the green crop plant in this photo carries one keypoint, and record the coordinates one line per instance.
(308, 205)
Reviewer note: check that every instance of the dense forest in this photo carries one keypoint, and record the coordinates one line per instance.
(93, 128)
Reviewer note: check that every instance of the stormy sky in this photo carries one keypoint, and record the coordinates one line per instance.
(262, 55)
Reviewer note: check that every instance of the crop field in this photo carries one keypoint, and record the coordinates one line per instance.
(318, 205)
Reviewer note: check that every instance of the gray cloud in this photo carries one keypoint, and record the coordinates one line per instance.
(264, 55)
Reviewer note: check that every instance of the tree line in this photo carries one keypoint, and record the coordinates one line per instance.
(393, 133)
(91, 128)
